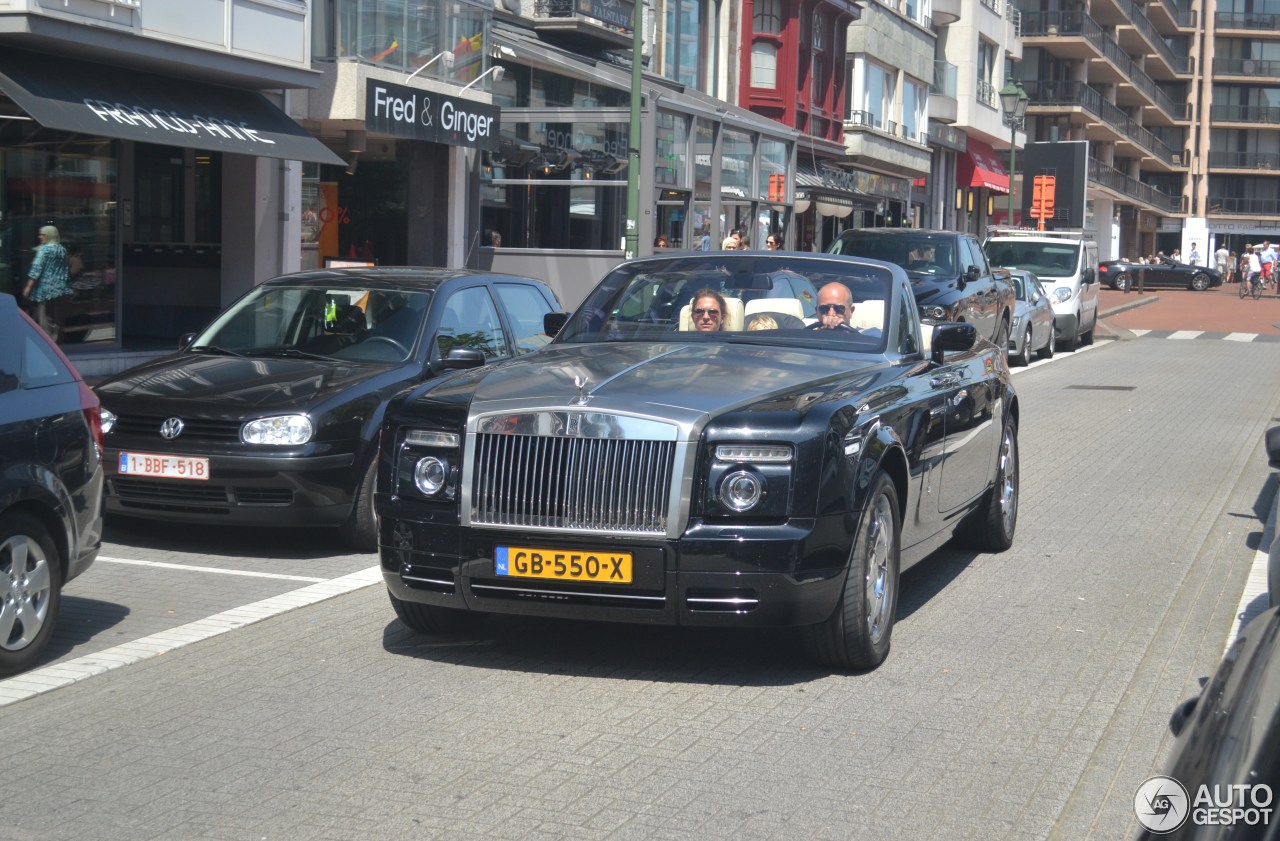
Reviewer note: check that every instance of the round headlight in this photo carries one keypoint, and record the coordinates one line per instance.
(1062, 294)
(740, 490)
(429, 475)
(286, 430)
(934, 313)
(108, 420)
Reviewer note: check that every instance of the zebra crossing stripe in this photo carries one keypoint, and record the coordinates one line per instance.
(1240, 337)
(1184, 334)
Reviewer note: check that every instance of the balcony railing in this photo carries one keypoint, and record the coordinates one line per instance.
(948, 136)
(1246, 67)
(986, 93)
(1245, 160)
(403, 40)
(1247, 20)
(1224, 206)
(1015, 19)
(944, 79)
(1084, 26)
(1081, 95)
(1245, 114)
(1153, 37)
(869, 119)
(1112, 178)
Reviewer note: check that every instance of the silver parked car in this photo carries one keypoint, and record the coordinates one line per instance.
(1032, 319)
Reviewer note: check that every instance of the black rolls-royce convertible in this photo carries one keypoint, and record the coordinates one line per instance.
(780, 470)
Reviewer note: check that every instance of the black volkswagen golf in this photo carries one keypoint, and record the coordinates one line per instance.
(269, 415)
(50, 485)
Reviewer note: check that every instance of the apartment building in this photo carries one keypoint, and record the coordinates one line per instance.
(157, 141)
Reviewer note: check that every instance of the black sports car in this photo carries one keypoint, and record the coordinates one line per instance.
(270, 415)
(691, 451)
(1123, 274)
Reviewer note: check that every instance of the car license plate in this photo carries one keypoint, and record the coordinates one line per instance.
(563, 565)
(165, 467)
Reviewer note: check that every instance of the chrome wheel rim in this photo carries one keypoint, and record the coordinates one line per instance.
(24, 592)
(1008, 486)
(879, 590)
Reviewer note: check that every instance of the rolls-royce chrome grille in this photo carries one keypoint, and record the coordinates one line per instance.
(605, 484)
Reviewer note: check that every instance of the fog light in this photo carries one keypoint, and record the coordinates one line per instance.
(429, 475)
(740, 490)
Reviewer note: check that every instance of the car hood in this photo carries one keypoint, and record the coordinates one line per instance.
(925, 290)
(234, 383)
(665, 379)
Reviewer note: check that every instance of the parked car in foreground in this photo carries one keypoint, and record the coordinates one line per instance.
(949, 274)
(637, 470)
(269, 416)
(50, 485)
(1165, 272)
(1224, 767)
(1032, 319)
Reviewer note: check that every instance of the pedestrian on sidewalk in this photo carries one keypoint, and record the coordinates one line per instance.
(1194, 258)
(48, 281)
(1220, 258)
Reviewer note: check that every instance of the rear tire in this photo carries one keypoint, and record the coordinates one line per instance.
(1120, 283)
(1199, 281)
(991, 527)
(857, 634)
(30, 591)
(429, 619)
(1046, 352)
(360, 532)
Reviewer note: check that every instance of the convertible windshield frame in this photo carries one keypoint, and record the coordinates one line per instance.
(650, 301)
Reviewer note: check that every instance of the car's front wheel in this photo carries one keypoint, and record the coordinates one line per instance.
(990, 528)
(1046, 352)
(30, 591)
(360, 532)
(1120, 282)
(1199, 281)
(1025, 356)
(856, 635)
(429, 619)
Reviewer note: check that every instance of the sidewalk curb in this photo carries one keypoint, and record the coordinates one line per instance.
(1142, 301)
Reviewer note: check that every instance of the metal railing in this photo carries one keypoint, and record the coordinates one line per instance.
(948, 136)
(863, 119)
(867, 119)
(1246, 67)
(1084, 26)
(1014, 14)
(1247, 20)
(1244, 206)
(1245, 160)
(1153, 37)
(1245, 114)
(1080, 94)
(1108, 176)
(986, 93)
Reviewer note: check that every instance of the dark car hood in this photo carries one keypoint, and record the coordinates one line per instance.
(696, 378)
(926, 289)
(234, 383)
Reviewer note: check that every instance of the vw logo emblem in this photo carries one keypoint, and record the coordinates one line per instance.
(171, 429)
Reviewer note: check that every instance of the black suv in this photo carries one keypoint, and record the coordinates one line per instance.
(949, 273)
(50, 484)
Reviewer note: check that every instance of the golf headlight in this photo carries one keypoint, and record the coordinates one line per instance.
(934, 313)
(429, 475)
(108, 420)
(741, 490)
(1062, 294)
(285, 430)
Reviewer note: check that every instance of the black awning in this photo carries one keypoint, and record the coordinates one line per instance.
(96, 99)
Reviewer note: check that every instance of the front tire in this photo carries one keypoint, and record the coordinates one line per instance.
(1086, 338)
(360, 532)
(429, 619)
(1199, 281)
(30, 591)
(991, 527)
(1120, 283)
(856, 636)
(1024, 357)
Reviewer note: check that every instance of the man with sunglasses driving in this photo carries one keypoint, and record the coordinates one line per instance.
(835, 308)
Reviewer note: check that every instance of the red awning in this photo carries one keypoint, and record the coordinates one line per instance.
(980, 167)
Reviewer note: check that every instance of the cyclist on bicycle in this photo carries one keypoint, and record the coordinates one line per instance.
(1255, 265)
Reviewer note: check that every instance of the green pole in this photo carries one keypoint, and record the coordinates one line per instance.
(1013, 166)
(632, 238)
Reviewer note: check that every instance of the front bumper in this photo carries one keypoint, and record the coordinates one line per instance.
(1067, 324)
(789, 574)
(250, 490)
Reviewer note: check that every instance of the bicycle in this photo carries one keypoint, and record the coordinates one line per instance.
(1252, 285)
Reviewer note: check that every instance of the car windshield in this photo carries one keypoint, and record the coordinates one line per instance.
(762, 299)
(921, 254)
(1046, 259)
(347, 322)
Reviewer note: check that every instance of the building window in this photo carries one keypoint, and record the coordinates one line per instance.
(683, 31)
(766, 43)
(764, 65)
(877, 94)
(767, 18)
(986, 73)
(915, 98)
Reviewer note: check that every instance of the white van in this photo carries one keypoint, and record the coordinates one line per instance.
(1067, 264)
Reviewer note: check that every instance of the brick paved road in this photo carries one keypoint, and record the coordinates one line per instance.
(1026, 697)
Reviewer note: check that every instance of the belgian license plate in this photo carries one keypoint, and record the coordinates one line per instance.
(563, 565)
(164, 467)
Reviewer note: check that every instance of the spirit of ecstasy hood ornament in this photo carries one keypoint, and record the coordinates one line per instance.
(583, 397)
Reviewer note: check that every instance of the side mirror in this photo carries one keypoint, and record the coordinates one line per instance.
(185, 340)
(973, 273)
(952, 336)
(458, 358)
(553, 321)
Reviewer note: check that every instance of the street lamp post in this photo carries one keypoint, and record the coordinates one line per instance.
(1013, 102)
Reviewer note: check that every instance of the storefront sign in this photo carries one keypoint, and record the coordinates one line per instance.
(617, 13)
(414, 114)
